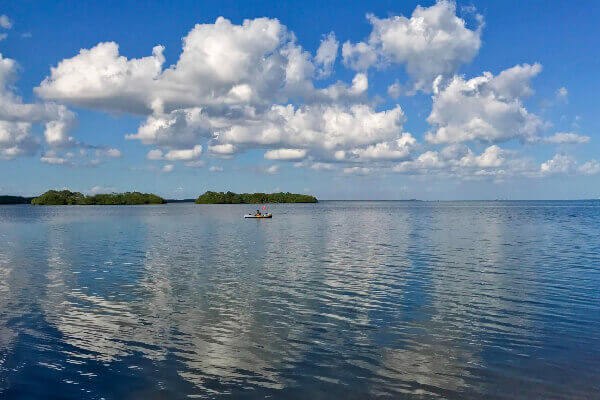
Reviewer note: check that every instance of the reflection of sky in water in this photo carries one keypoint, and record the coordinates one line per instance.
(339, 299)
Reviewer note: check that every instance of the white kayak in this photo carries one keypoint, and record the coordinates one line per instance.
(259, 216)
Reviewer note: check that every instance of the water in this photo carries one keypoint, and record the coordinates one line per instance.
(352, 300)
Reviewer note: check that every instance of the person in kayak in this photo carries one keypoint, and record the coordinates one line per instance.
(257, 213)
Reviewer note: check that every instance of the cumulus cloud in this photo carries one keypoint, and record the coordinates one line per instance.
(221, 64)
(559, 164)
(487, 108)
(109, 153)
(222, 149)
(566, 138)
(184, 155)
(175, 155)
(562, 164)
(358, 171)
(285, 154)
(321, 166)
(393, 150)
(53, 160)
(16, 140)
(18, 118)
(432, 42)
(227, 91)
(326, 55)
(591, 167)
(459, 161)
(322, 128)
(236, 88)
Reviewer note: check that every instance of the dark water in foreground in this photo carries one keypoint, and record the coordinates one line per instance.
(349, 300)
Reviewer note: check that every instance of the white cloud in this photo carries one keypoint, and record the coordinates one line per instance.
(5, 22)
(285, 154)
(357, 171)
(485, 108)
(562, 164)
(566, 138)
(195, 163)
(429, 160)
(3, 36)
(16, 140)
(215, 169)
(434, 41)
(458, 161)
(320, 166)
(236, 88)
(109, 153)
(393, 150)
(321, 128)
(48, 159)
(359, 56)
(326, 55)
(559, 164)
(100, 78)
(591, 167)
(221, 64)
(17, 118)
(225, 90)
(179, 127)
(184, 155)
(273, 169)
(155, 154)
(493, 156)
(222, 149)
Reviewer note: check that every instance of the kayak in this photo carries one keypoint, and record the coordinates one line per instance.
(258, 216)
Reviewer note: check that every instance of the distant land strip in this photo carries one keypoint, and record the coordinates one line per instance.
(67, 197)
(254, 198)
(15, 200)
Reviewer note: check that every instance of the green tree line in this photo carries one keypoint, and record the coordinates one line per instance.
(66, 197)
(253, 198)
(15, 200)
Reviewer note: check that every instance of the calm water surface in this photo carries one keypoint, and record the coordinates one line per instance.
(352, 300)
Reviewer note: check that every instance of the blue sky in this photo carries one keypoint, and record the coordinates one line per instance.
(346, 100)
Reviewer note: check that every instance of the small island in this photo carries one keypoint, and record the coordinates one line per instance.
(253, 198)
(15, 200)
(66, 197)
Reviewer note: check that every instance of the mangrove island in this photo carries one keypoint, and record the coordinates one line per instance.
(66, 197)
(253, 198)
(15, 200)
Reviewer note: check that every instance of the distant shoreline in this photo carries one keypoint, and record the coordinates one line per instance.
(26, 200)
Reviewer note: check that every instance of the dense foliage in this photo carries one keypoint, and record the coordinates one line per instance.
(15, 200)
(66, 197)
(249, 198)
(54, 197)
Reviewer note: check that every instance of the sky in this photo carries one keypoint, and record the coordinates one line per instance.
(340, 99)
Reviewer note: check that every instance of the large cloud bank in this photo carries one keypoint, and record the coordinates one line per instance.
(236, 88)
